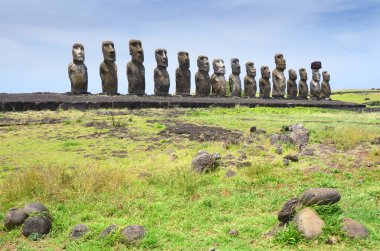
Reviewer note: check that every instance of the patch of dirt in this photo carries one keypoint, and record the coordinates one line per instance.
(15, 122)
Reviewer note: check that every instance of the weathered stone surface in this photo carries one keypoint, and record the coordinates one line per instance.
(292, 85)
(280, 138)
(243, 164)
(376, 141)
(315, 87)
(218, 81)
(233, 232)
(325, 86)
(131, 234)
(250, 86)
(204, 162)
(332, 240)
(183, 74)
(285, 162)
(36, 208)
(264, 83)
(279, 150)
(291, 157)
(108, 230)
(354, 229)
(303, 89)
(230, 174)
(278, 77)
(234, 79)
(309, 223)
(108, 69)
(14, 218)
(202, 79)
(136, 69)
(161, 75)
(78, 71)
(288, 210)
(320, 196)
(39, 225)
(78, 231)
(299, 136)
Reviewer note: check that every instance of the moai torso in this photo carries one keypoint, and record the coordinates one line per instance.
(78, 71)
(264, 83)
(291, 85)
(202, 79)
(278, 77)
(250, 86)
(234, 79)
(218, 80)
(161, 75)
(136, 69)
(303, 90)
(325, 86)
(108, 69)
(183, 75)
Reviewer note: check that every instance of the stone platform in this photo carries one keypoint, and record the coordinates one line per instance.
(54, 101)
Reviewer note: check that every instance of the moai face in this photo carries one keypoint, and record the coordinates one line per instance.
(108, 49)
(183, 59)
(136, 51)
(78, 52)
(280, 62)
(265, 73)
(316, 76)
(203, 63)
(292, 74)
(161, 57)
(250, 68)
(303, 73)
(326, 76)
(235, 65)
(219, 67)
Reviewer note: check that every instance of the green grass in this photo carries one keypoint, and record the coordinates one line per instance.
(112, 166)
(370, 98)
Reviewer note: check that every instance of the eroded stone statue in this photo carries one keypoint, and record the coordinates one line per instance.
(108, 69)
(264, 82)
(250, 86)
(325, 86)
(315, 87)
(291, 88)
(303, 90)
(234, 79)
(136, 69)
(278, 77)
(218, 80)
(78, 71)
(202, 79)
(183, 74)
(161, 75)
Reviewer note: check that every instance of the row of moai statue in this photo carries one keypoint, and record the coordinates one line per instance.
(205, 85)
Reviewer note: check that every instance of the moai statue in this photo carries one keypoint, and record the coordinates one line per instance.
(325, 86)
(234, 80)
(202, 79)
(136, 69)
(250, 86)
(78, 71)
(108, 69)
(291, 88)
(183, 74)
(303, 90)
(278, 77)
(218, 81)
(315, 87)
(264, 82)
(161, 75)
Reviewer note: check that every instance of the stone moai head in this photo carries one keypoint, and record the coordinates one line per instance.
(78, 52)
(250, 68)
(136, 51)
(292, 74)
(108, 49)
(326, 76)
(219, 66)
(161, 57)
(316, 75)
(235, 65)
(265, 72)
(303, 74)
(315, 66)
(203, 64)
(280, 62)
(183, 59)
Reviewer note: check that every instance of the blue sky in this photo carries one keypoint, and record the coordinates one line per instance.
(36, 37)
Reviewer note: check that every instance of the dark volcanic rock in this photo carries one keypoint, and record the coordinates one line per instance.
(253, 129)
(131, 234)
(230, 174)
(288, 210)
(14, 218)
(291, 157)
(376, 141)
(39, 225)
(279, 150)
(233, 232)
(280, 138)
(354, 229)
(320, 196)
(36, 208)
(110, 229)
(299, 136)
(204, 162)
(244, 164)
(78, 231)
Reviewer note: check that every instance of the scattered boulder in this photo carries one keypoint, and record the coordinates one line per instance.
(110, 229)
(280, 138)
(288, 210)
(233, 232)
(253, 129)
(204, 162)
(14, 218)
(299, 136)
(307, 152)
(332, 240)
(320, 196)
(354, 229)
(291, 157)
(285, 162)
(78, 231)
(309, 223)
(376, 141)
(230, 174)
(131, 234)
(279, 150)
(38, 225)
(261, 131)
(36, 208)
(244, 164)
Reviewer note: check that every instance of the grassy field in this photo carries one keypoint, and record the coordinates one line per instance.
(132, 167)
(369, 97)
